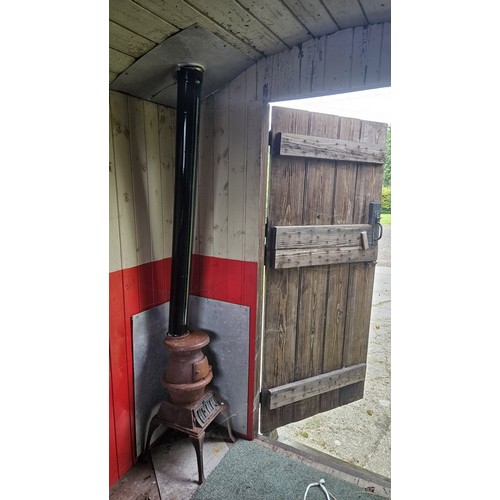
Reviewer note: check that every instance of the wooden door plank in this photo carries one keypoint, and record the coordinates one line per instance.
(338, 277)
(368, 188)
(333, 301)
(279, 339)
(327, 148)
(318, 210)
(286, 191)
(357, 324)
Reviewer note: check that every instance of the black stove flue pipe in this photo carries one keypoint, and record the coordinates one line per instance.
(189, 81)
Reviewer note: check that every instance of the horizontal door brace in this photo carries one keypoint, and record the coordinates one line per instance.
(317, 245)
(306, 146)
(313, 386)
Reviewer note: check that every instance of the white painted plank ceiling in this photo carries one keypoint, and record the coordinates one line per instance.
(256, 28)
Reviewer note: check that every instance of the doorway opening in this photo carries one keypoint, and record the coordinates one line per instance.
(358, 433)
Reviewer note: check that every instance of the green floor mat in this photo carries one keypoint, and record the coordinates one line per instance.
(250, 471)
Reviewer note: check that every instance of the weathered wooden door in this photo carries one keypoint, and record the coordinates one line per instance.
(321, 248)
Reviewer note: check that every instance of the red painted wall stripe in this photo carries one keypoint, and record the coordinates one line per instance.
(137, 289)
(119, 372)
(113, 458)
(231, 281)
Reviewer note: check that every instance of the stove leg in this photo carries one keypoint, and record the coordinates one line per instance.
(198, 446)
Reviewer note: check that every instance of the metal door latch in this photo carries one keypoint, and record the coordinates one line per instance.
(374, 220)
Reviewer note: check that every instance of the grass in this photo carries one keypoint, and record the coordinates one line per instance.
(385, 218)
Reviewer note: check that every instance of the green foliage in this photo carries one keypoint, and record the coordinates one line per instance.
(386, 200)
(387, 164)
(385, 218)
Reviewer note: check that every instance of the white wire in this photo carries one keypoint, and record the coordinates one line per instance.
(320, 484)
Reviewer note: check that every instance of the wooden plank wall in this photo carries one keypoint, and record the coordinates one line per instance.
(141, 172)
(230, 215)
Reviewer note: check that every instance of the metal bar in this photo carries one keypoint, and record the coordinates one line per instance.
(189, 81)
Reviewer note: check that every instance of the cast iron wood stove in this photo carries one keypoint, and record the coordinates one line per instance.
(191, 405)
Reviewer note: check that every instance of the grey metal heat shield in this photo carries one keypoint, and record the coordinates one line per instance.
(228, 353)
(152, 77)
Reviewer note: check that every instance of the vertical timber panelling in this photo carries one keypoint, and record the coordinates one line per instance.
(237, 178)
(328, 323)
(385, 56)
(312, 67)
(151, 127)
(344, 195)
(141, 174)
(114, 263)
(231, 204)
(221, 184)
(204, 239)
(254, 230)
(368, 187)
(348, 60)
(141, 201)
(286, 191)
(113, 458)
(229, 197)
(338, 60)
(120, 352)
(318, 209)
(166, 131)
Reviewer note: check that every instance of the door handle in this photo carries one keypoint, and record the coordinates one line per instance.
(374, 220)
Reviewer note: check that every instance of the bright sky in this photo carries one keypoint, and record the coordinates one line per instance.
(373, 105)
